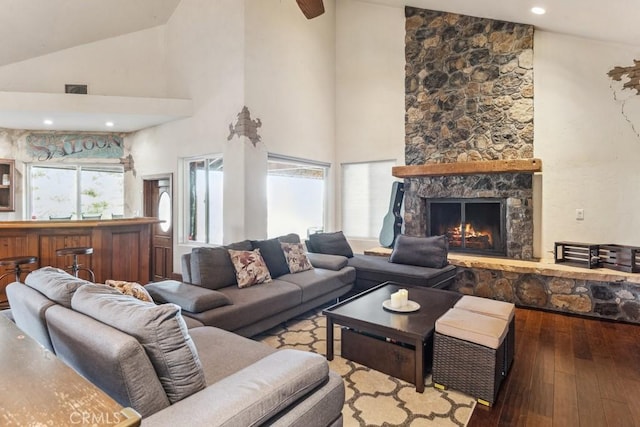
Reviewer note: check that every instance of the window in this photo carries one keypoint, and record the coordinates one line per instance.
(204, 179)
(366, 191)
(295, 196)
(75, 191)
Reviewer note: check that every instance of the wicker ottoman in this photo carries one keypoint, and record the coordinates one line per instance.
(499, 309)
(469, 354)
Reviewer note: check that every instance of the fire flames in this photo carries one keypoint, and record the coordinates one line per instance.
(474, 239)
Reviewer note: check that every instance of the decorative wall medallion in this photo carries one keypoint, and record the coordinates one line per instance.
(627, 93)
(46, 146)
(245, 126)
(632, 73)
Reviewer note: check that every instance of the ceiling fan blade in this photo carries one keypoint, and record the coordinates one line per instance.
(311, 8)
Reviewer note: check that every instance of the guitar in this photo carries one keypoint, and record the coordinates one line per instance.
(392, 221)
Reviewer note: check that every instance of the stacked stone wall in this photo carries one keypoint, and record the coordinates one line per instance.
(609, 300)
(469, 97)
(469, 88)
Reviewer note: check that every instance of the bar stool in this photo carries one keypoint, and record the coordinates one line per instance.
(16, 263)
(75, 267)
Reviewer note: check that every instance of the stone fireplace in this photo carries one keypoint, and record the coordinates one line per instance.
(469, 100)
(514, 191)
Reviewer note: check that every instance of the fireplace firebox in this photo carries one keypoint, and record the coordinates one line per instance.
(471, 225)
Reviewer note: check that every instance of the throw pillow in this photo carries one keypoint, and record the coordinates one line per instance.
(250, 268)
(133, 289)
(160, 329)
(331, 244)
(273, 256)
(296, 257)
(422, 251)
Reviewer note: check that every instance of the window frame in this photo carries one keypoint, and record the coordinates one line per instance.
(186, 211)
(297, 161)
(393, 162)
(78, 168)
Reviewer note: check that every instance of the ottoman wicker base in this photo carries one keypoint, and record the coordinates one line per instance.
(468, 367)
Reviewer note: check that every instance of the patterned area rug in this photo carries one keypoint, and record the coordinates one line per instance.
(373, 398)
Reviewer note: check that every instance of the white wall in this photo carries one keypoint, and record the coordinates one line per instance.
(129, 65)
(369, 88)
(290, 84)
(589, 150)
(369, 82)
(204, 63)
(223, 55)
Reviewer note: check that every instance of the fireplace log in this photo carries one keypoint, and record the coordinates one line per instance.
(468, 168)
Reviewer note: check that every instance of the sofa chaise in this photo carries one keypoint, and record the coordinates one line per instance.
(418, 261)
(146, 357)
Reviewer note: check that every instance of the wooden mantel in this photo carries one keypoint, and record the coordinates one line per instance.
(468, 168)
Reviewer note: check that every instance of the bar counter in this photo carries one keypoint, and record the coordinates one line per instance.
(121, 247)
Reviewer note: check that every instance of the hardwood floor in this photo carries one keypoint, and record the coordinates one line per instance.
(568, 371)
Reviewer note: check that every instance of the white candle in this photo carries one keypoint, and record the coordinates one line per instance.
(405, 296)
(396, 300)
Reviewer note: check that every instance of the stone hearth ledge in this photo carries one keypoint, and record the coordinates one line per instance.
(543, 267)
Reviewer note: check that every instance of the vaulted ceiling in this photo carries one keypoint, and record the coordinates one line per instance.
(31, 28)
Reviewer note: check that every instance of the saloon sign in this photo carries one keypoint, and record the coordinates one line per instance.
(48, 146)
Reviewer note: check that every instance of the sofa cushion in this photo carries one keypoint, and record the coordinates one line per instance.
(133, 289)
(212, 268)
(244, 245)
(372, 270)
(329, 262)
(238, 352)
(296, 257)
(54, 283)
(422, 251)
(289, 238)
(331, 243)
(252, 304)
(250, 268)
(111, 359)
(159, 328)
(273, 256)
(191, 298)
(255, 395)
(317, 282)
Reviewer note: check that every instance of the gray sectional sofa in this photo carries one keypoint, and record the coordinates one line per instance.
(146, 357)
(209, 292)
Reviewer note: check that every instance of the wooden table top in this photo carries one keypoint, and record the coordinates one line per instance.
(36, 388)
(366, 309)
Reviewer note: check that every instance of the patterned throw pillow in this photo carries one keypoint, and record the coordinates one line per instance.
(296, 257)
(250, 268)
(133, 289)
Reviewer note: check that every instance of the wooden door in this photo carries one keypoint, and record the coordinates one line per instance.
(158, 202)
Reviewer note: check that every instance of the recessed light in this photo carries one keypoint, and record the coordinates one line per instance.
(109, 124)
(538, 10)
(48, 122)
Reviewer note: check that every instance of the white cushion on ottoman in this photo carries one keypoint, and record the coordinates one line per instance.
(486, 306)
(473, 327)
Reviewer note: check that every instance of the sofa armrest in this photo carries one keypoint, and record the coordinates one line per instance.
(191, 298)
(252, 395)
(328, 262)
